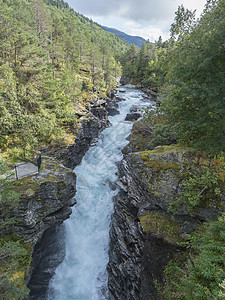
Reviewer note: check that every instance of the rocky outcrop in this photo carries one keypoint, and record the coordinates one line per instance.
(139, 138)
(134, 116)
(90, 126)
(143, 234)
(46, 199)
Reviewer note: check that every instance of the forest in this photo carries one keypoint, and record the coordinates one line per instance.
(54, 62)
(187, 72)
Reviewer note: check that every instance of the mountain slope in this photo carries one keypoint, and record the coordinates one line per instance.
(53, 62)
(137, 40)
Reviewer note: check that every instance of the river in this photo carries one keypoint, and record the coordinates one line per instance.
(82, 275)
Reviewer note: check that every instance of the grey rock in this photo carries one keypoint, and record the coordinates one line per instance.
(134, 116)
(46, 199)
(113, 111)
(45, 261)
(149, 182)
(134, 108)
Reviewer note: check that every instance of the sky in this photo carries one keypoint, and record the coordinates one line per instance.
(146, 18)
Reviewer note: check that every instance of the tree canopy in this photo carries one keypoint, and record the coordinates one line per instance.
(53, 61)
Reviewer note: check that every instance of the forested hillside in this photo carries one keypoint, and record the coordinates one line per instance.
(187, 74)
(136, 40)
(53, 62)
(188, 71)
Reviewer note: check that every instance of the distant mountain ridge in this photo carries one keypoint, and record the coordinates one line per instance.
(137, 40)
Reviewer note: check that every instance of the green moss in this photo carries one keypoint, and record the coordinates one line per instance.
(31, 184)
(158, 165)
(154, 159)
(140, 135)
(160, 150)
(28, 185)
(161, 225)
(41, 214)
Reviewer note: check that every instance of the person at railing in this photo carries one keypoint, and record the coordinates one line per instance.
(39, 162)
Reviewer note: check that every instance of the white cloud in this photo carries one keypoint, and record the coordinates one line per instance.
(146, 18)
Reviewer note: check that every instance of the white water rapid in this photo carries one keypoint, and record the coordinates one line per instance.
(82, 275)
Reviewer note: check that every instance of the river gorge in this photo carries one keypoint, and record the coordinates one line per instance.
(97, 215)
(83, 275)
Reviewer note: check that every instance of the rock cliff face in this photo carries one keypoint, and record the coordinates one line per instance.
(143, 234)
(89, 129)
(45, 202)
(46, 198)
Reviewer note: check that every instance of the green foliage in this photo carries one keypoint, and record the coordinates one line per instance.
(14, 254)
(183, 23)
(200, 273)
(162, 135)
(8, 197)
(14, 264)
(203, 185)
(48, 53)
(189, 71)
(195, 101)
(142, 66)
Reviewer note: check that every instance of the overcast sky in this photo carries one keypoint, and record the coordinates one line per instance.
(146, 18)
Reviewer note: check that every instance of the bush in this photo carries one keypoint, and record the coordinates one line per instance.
(14, 261)
(204, 185)
(201, 276)
(163, 135)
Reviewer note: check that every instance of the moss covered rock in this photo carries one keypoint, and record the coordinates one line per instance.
(144, 234)
(45, 199)
(161, 226)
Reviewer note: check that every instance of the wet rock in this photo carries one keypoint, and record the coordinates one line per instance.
(119, 98)
(122, 90)
(45, 261)
(113, 111)
(134, 116)
(134, 108)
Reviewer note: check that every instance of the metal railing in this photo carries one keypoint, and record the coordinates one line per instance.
(29, 167)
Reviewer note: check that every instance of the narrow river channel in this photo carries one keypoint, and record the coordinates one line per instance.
(82, 275)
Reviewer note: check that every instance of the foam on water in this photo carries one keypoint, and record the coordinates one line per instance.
(82, 275)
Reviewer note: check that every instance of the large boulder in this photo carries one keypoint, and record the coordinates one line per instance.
(45, 199)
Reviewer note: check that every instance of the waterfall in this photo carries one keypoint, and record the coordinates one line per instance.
(82, 275)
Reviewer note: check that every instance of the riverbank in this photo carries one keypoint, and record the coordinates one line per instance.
(151, 225)
(83, 272)
(38, 222)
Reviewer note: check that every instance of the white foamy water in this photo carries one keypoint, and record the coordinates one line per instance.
(82, 275)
